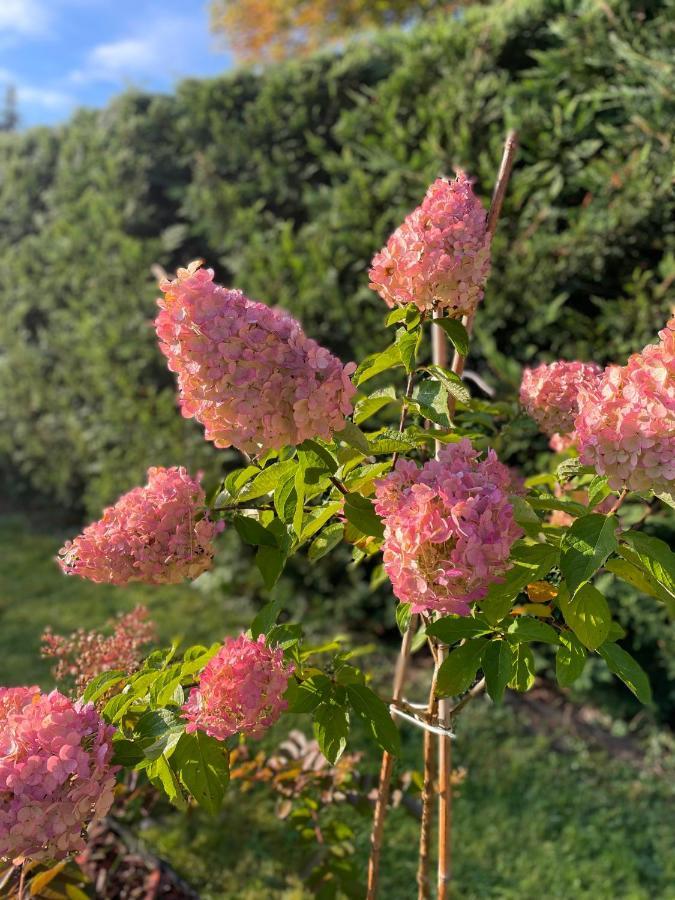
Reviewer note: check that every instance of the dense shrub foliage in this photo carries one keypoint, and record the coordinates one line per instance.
(291, 179)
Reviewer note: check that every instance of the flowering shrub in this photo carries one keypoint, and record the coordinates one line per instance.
(626, 421)
(488, 563)
(247, 372)
(55, 773)
(83, 655)
(240, 691)
(549, 394)
(439, 258)
(448, 528)
(157, 534)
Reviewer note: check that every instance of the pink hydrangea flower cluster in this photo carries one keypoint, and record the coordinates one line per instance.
(626, 420)
(55, 773)
(153, 534)
(449, 528)
(240, 690)
(549, 394)
(440, 255)
(83, 655)
(247, 372)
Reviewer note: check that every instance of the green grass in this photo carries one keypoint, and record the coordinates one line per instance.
(530, 822)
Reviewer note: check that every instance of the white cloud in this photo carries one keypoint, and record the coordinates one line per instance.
(166, 46)
(45, 98)
(24, 17)
(32, 95)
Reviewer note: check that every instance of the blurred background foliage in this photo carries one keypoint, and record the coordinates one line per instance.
(286, 181)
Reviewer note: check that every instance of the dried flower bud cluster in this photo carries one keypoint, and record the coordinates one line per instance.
(626, 422)
(55, 773)
(240, 690)
(247, 372)
(83, 655)
(440, 256)
(549, 395)
(449, 528)
(157, 534)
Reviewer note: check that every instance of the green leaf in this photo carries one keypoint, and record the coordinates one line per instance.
(270, 563)
(267, 481)
(252, 532)
(374, 713)
(451, 629)
(397, 314)
(116, 706)
(407, 343)
(202, 765)
(285, 497)
(570, 659)
(498, 665)
(522, 677)
(311, 454)
(126, 753)
(100, 685)
(372, 404)
(389, 440)
(431, 398)
(403, 616)
(299, 511)
(162, 775)
(317, 518)
(585, 547)
(549, 501)
(598, 490)
(570, 468)
(452, 383)
(352, 435)
(531, 562)
(668, 499)
(458, 671)
(637, 575)
(306, 696)
(324, 542)
(159, 731)
(331, 729)
(525, 516)
(360, 512)
(456, 332)
(656, 560)
(587, 614)
(266, 618)
(628, 670)
(527, 628)
(377, 363)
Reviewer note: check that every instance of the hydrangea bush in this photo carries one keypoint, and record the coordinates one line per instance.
(393, 457)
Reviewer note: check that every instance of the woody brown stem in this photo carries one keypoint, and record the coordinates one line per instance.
(423, 885)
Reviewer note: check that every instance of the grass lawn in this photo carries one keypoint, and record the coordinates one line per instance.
(530, 822)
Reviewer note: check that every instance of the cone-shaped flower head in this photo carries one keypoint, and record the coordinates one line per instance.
(440, 255)
(240, 690)
(247, 372)
(549, 394)
(157, 534)
(55, 773)
(626, 420)
(449, 528)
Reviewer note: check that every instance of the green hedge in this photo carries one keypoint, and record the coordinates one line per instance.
(286, 182)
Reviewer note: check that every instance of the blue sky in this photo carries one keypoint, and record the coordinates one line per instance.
(62, 54)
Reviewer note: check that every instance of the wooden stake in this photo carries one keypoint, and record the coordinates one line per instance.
(382, 799)
(439, 353)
